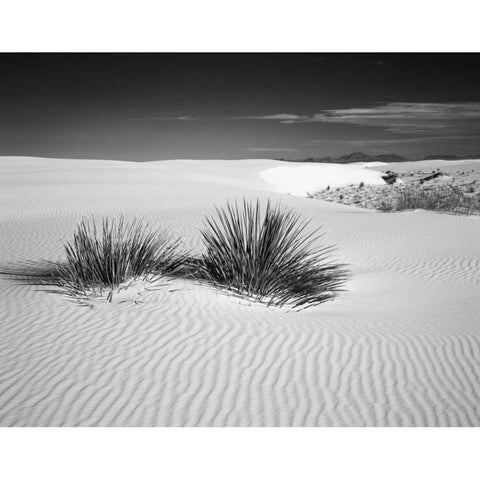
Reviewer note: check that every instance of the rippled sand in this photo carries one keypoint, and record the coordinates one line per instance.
(400, 347)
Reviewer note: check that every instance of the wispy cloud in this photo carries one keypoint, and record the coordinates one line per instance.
(399, 118)
(270, 149)
(409, 118)
(392, 141)
(406, 118)
(281, 117)
(278, 117)
(165, 118)
(175, 117)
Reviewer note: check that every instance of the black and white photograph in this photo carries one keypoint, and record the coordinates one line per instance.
(239, 239)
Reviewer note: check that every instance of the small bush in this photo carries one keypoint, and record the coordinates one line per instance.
(385, 205)
(268, 257)
(98, 260)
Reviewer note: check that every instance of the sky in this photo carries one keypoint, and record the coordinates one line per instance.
(146, 107)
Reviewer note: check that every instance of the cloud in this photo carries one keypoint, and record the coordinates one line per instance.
(445, 119)
(442, 119)
(400, 118)
(270, 149)
(175, 117)
(166, 118)
(393, 141)
(409, 118)
(281, 117)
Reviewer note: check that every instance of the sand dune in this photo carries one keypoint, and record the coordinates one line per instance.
(400, 347)
(369, 164)
(304, 179)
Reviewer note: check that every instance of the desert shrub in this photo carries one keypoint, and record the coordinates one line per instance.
(101, 259)
(386, 205)
(440, 198)
(268, 256)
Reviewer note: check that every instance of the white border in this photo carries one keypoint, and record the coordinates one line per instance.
(250, 25)
(229, 454)
(242, 453)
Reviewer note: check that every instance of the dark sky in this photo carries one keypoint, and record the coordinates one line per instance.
(159, 106)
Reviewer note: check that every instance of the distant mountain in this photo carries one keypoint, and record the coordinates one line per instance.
(440, 157)
(353, 157)
(386, 158)
(391, 157)
(363, 157)
(452, 157)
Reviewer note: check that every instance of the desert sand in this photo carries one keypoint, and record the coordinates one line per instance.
(399, 347)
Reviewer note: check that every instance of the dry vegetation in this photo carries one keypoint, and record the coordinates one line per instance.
(449, 197)
(98, 260)
(438, 198)
(266, 256)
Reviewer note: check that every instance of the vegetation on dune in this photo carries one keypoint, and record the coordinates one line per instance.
(268, 256)
(99, 260)
(439, 198)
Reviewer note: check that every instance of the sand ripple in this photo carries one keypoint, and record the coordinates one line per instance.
(401, 347)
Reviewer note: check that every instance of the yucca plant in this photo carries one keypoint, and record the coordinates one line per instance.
(102, 259)
(268, 256)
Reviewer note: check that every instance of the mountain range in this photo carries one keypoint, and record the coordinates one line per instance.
(386, 157)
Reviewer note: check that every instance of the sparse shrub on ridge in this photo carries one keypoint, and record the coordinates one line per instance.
(268, 256)
(98, 260)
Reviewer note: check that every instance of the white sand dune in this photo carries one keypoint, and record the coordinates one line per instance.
(300, 180)
(368, 164)
(400, 347)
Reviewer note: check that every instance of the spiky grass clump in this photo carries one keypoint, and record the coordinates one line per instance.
(268, 257)
(99, 260)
